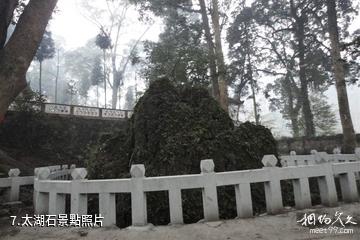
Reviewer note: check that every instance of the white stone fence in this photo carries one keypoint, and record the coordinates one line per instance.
(50, 194)
(79, 111)
(319, 158)
(13, 183)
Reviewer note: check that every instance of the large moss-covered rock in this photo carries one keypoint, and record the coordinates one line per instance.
(171, 131)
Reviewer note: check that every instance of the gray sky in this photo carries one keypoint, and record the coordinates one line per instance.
(76, 30)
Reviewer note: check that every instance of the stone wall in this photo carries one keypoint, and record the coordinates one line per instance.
(305, 145)
(38, 139)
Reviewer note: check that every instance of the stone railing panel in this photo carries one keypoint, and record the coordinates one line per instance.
(57, 109)
(113, 113)
(86, 111)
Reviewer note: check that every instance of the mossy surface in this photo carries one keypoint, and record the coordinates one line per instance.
(171, 131)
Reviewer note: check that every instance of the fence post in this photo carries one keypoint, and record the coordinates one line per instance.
(107, 208)
(273, 195)
(357, 153)
(175, 204)
(56, 203)
(348, 187)
(327, 187)
(138, 196)
(78, 200)
(209, 192)
(302, 193)
(41, 199)
(15, 185)
(243, 200)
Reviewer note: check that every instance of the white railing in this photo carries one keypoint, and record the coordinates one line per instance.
(50, 194)
(13, 183)
(319, 157)
(79, 111)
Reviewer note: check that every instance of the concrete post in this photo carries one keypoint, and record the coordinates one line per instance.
(209, 192)
(243, 200)
(348, 187)
(292, 159)
(15, 185)
(107, 208)
(327, 187)
(302, 193)
(336, 154)
(138, 196)
(175, 202)
(273, 195)
(56, 203)
(41, 199)
(78, 200)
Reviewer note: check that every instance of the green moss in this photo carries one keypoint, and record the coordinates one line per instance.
(171, 131)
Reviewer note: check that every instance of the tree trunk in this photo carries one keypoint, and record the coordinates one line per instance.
(57, 75)
(252, 83)
(220, 57)
(211, 47)
(40, 76)
(115, 88)
(104, 52)
(349, 137)
(299, 31)
(97, 95)
(18, 53)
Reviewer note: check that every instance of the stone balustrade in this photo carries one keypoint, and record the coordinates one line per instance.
(50, 194)
(13, 184)
(319, 157)
(79, 111)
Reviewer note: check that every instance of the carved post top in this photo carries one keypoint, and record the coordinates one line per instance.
(292, 153)
(78, 173)
(337, 150)
(313, 152)
(322, 157)
(15, 172)
(137, 171)
(42, 173)
(357, 153)
(207, 166)
(269, 161)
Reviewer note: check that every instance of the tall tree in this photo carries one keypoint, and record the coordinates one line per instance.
(302, 21)
(97, 76)
(111, 21)
(349, 138)
(45, 51)
(245, 55)
(179, 53)
(17, 54)
(221, 68)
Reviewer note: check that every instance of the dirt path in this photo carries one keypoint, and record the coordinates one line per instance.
(282, 226)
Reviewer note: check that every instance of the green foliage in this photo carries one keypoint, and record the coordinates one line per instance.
(172, 129)
(103, 41)
(46, 49)
(324, 116)
(179, 54)
(97, 73)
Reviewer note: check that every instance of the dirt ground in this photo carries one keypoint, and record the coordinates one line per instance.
(282, 226)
